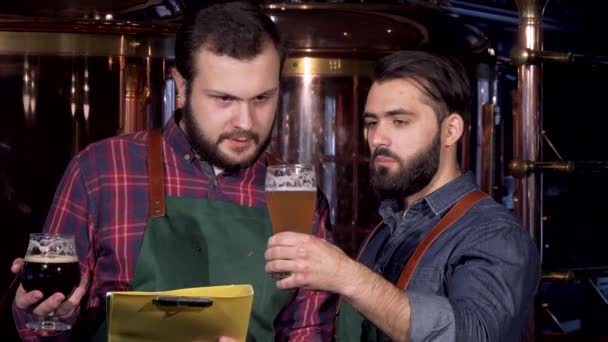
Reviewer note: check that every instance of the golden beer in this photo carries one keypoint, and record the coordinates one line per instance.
(291, 210)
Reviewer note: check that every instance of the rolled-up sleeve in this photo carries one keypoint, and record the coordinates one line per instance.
(432, 318)
(490, 286)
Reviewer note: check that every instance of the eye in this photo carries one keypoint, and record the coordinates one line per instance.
(261, 98)
(370, 123)
(399, 123)
(224, 99)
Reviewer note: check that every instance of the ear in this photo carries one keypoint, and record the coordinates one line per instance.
(180, 85)
(452, 128)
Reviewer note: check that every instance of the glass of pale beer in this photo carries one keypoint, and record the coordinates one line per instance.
(50, 266)
(291, 195)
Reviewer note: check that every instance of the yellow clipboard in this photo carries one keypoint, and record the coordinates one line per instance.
(195, 314)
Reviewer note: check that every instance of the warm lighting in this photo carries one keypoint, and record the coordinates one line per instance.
(389, 31)
(307, 67)
(345, 34)
(86, 108)
(109, 16)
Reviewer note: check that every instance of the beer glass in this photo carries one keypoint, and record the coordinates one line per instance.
(291, 194)
(50, 266)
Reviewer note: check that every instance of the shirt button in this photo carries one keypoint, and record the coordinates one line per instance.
(187, 157)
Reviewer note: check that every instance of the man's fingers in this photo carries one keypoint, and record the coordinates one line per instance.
(276, 266)
(49, 305)
(67, 308)
(17, 266)
(288, 239)
(280, 252)
(290, 282)
(24, 300)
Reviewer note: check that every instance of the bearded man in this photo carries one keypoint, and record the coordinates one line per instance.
(447, 263)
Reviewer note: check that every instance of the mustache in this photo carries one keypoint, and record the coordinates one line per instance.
(239, 134)
(384, 152)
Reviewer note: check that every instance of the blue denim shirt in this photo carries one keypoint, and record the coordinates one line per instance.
(476, 282)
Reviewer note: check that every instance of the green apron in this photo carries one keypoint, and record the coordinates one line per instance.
(208, 243)
(351, 326)
(200, 242)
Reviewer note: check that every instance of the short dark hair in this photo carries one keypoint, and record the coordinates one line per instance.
(238, 29)
(442, 79)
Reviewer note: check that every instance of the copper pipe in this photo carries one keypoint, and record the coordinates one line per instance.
(523, 168)
(133, 99)
(487, 149)
(521, 56)
(558, 276)
(527, 120)
(527, 126)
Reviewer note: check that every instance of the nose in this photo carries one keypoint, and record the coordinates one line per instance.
(243, 118)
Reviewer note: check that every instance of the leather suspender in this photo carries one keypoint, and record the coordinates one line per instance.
(156, 184)
(454, 214)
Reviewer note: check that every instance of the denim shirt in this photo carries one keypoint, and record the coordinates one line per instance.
(476, 282)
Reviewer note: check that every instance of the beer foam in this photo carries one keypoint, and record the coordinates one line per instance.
(43, 259)
(52, 246)
(290, 180)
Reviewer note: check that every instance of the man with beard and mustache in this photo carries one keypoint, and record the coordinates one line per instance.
(186, 207)
(447, 263)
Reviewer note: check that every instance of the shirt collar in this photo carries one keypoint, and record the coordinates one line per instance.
(445, 197)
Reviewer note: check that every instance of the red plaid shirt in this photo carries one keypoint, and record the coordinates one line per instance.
(103, 200)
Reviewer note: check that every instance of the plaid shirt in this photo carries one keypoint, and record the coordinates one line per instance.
(103, 200)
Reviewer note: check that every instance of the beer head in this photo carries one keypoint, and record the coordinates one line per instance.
(291, 191)
(291, 177)
(51, 245)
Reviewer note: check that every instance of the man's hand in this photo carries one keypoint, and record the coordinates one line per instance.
(56, 303)
(313, 263)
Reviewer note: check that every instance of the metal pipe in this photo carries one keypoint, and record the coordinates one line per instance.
(527, 120)
(527, 128)
(523, 168)
(487, 180)
(521, 56)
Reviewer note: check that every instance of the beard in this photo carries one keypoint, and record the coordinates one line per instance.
(411, 177)
(210, 151)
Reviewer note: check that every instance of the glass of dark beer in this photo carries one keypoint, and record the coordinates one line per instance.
(51, 266)
(291, 196)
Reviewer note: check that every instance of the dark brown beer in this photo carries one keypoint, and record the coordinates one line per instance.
(291, 210)
(51, 274)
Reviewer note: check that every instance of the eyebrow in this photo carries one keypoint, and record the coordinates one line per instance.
(212, 92)
(392, 112)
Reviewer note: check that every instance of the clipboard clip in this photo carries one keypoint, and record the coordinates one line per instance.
(178, 302)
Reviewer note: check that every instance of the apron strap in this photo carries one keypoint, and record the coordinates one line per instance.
(155, 173)
(454, 214)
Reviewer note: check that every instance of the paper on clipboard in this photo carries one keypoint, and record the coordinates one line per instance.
(132, 317)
